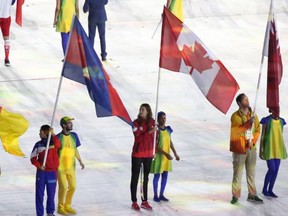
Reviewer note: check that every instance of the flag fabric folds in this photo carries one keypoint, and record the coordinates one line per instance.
(271, 49)
(12, 127)
(182, 51)
(176, 7)
(18, 18)
(84, 66)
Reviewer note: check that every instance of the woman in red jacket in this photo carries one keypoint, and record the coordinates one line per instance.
(142, 153)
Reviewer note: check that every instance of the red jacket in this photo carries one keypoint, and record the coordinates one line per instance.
(38, 153)
(143, 144)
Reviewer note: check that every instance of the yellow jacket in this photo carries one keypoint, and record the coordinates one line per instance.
(239, 124)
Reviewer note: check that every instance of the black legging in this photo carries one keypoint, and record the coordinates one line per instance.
(136, 165)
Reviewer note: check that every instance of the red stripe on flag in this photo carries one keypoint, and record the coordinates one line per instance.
(223, 89)
(115, 101)
(170, 56)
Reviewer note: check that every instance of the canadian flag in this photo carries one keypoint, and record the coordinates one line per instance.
(182, 51)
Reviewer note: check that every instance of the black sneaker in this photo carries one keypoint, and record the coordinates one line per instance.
(7, 62)
(234, 200)
(51, 214)
(104, 59)
(255, 199)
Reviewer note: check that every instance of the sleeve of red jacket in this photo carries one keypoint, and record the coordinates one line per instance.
(33, 157)
(137, 129)
(56, 142)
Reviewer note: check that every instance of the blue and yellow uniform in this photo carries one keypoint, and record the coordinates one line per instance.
(66, 169)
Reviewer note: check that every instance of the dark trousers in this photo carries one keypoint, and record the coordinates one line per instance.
(271, 175)
(101, 31)
(48, 180)
(136, 166)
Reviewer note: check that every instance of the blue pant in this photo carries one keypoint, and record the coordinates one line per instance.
(101, 30)
(48, 180)
(64, 40)
(271, 175)
(164, 178)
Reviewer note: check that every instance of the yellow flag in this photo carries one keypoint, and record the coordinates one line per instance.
(12, 126)
(176, 7)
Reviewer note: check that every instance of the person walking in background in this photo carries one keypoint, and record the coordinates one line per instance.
(162, 162)
(46, 176)
(97, 18)
(272, 149)
(66, 171)
(64, 11)
(5, 23)
(243, 150)
(142, 154)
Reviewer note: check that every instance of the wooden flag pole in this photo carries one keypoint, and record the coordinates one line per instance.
(57, 96)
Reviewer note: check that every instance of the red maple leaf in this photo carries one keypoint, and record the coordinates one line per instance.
(196, 58)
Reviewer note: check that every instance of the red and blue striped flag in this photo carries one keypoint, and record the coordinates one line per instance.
(84, 66)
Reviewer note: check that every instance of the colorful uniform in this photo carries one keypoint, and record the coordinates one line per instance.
(64, 20)
(47, 178)
(142, 153)
(66, 169)
(273, 150)
(65, 16)
(242, 154)
(272, 140)
(161, 163)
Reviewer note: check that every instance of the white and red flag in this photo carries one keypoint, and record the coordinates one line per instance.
(182, 51)
(271, 49)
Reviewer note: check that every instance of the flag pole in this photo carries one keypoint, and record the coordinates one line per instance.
(256, 96)
(261, 66)
(57, 95)
(156, 109)
(160, 21)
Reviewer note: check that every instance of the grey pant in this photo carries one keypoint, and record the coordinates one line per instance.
(239, 161)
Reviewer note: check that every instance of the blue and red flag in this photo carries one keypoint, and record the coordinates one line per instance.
(84, 66)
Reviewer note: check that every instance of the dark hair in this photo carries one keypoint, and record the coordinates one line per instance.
(149, 114)
(45, 128)
(160, 114)
(239, 98)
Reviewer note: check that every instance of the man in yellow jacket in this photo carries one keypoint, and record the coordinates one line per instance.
(243, 139)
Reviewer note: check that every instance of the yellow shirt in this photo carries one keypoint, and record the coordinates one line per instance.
(67, 151)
